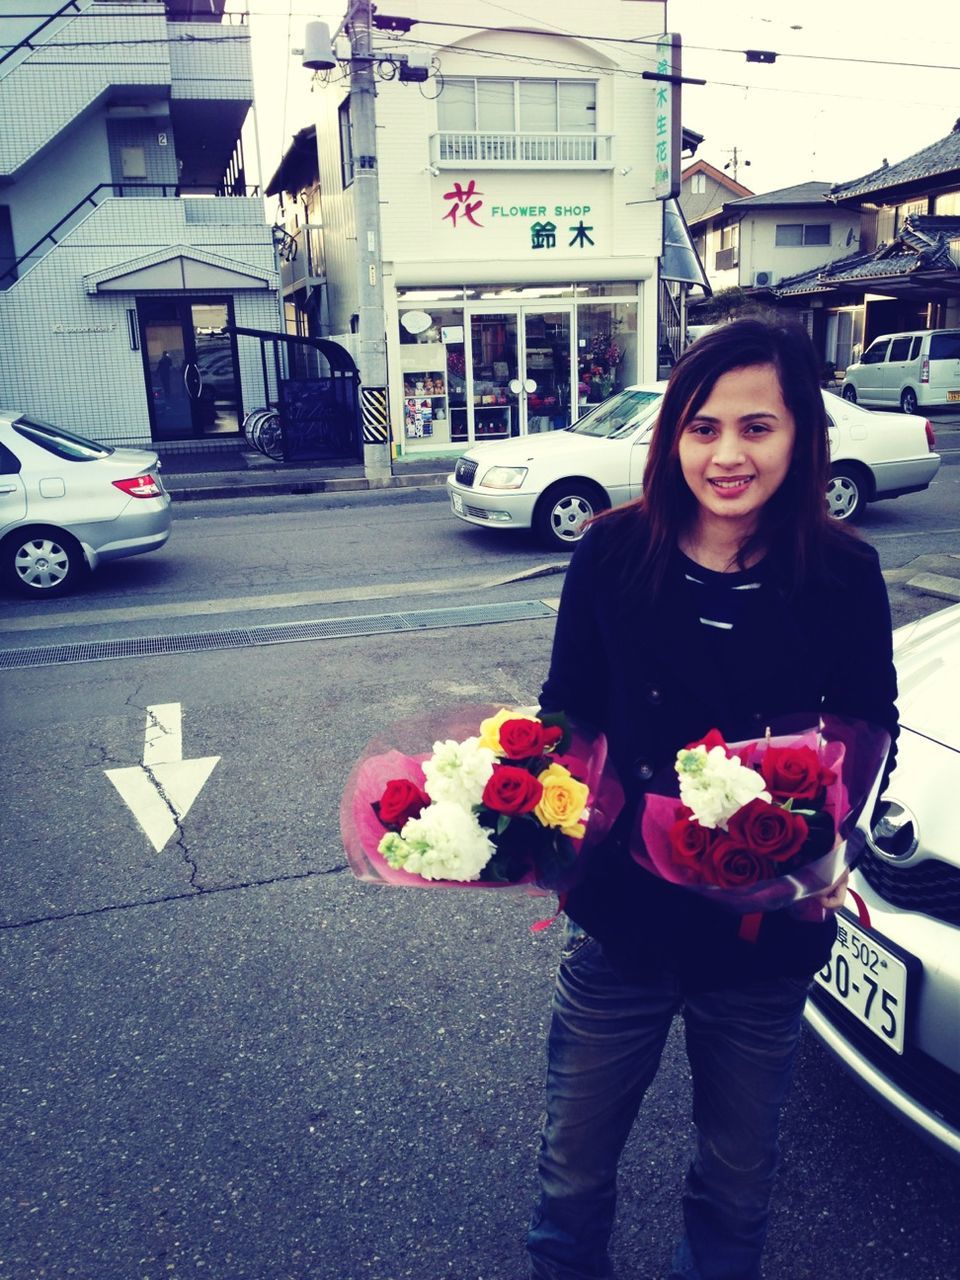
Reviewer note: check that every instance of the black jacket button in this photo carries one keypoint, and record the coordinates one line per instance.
(654, 695)
(643, 770)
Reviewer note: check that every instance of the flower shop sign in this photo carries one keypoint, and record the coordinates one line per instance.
(666, 119)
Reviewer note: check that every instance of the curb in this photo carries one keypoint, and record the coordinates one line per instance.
(201, 492)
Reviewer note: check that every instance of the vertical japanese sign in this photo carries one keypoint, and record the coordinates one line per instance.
(666, 118)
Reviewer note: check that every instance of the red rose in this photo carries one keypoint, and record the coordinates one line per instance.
(794, 772)
(713, 739)
(767, 830)
(521, 739)
(733, 867)
(511, 790)
(400, 801)
(689, 845)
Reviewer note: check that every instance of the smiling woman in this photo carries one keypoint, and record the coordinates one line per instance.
(721, 583)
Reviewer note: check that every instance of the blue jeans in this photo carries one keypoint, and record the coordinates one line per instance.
(606, 1038)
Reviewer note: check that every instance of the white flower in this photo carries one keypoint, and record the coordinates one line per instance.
(715, 785)
(458, 772)
(445, 843)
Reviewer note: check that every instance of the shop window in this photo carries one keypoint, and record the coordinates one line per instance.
(606, 350)
(433, 367)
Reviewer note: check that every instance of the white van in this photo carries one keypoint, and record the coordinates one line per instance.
(914, 370)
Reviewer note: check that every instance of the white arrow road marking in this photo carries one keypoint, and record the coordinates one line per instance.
(159, 792)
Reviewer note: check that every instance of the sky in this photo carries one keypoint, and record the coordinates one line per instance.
(841, 97)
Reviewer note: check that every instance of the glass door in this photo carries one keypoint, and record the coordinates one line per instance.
(545, 390)
(494, 348)
(190, 367)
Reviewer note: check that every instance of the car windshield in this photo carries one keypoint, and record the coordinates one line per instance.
(618, 415)
(64, 444)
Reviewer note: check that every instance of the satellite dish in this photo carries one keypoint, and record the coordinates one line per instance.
(416, 321)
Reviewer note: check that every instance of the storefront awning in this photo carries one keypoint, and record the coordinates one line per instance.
(680, 262)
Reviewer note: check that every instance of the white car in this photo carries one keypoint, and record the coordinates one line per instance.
(68, 504)
(888, 1003)
(552, 483)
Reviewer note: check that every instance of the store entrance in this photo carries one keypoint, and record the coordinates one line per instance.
(190, 367)
(518, 375)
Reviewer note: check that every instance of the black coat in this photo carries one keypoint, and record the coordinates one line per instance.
(653, 679)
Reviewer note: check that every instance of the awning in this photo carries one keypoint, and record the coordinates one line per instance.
(177, 267)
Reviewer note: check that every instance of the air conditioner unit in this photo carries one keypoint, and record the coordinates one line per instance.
(763, 279)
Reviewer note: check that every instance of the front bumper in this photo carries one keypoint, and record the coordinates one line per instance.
(922, 1085)
(492, 508)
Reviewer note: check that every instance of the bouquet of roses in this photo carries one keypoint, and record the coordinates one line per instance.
(511, 804)
(764, 824)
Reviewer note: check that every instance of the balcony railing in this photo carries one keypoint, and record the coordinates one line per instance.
(576, 150)
(727, 258)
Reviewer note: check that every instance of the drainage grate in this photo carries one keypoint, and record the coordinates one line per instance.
(278, 633)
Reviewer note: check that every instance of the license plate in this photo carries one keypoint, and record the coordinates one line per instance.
(457, 503)
(953, 395)
(868, 980)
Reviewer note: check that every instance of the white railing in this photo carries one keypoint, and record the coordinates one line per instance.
(574, 149)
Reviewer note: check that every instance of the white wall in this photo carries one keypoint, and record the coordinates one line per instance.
(66, 354)
(760, 252)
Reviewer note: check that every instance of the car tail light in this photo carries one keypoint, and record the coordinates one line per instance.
(931, 438)
(140, 487)
(925, 370)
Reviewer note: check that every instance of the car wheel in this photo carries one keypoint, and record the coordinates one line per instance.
(908, 400)
(43, 562)
(847, 493)
(849, 393)
(563, 510)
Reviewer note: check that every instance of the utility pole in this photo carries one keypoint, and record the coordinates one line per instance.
(735, 163)
(372, 352)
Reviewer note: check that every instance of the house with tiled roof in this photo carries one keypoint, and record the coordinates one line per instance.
(703, 188)
(905, 272)
(754, 241)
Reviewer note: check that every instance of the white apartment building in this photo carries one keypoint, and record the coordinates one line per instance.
(520, 229)
(129, 240)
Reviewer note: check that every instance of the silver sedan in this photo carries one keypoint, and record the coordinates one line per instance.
(68, 504)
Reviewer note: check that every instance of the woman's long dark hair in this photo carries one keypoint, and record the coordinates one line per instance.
(794, 527)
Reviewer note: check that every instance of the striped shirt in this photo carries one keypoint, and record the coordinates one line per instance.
(718, 597)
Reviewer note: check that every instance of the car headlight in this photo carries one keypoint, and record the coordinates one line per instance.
(504, 477)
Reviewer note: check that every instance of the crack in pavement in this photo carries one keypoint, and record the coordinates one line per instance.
(199, 892)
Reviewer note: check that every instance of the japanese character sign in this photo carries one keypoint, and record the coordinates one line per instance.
(543, 235)
(666, 119)
(464, 205)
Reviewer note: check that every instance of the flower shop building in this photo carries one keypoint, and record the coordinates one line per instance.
(521, 234)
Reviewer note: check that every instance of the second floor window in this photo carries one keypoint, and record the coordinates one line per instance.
(698, 184)
(480, 105)
(798, 233)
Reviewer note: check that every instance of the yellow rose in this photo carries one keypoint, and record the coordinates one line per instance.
(563, 801)
(490, 728)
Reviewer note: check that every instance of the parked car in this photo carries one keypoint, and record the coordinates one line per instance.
(887, 1004)
(68, 504)
(914, 370)
(554, 482)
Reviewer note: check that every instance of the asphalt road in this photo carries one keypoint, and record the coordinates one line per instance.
(228, 1058)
